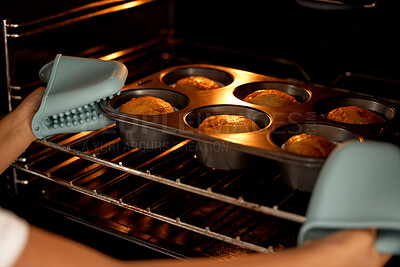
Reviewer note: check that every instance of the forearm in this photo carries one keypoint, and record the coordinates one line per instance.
(45, 249)
(60, 251)
(343, 248)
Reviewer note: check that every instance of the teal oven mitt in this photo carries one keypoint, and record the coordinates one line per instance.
(358, 188)
(75, 86)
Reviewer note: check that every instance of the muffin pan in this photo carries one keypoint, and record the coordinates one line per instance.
(276, 124)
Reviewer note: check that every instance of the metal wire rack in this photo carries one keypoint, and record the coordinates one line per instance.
(98, 165)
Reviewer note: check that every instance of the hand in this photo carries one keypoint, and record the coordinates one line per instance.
(348, 248)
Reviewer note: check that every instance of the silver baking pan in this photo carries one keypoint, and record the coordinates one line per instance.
(232, 151)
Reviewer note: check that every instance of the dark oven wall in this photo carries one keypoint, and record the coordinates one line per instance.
(362, 42)
(96, 29)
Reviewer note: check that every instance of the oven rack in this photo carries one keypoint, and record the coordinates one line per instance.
(67, 146)
(206, 231)
(67, 17)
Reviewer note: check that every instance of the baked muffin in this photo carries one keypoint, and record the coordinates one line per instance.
(270, 98)
(227, 124)
(196, 83)
(354, 115)
(146, 105)
(309, 145)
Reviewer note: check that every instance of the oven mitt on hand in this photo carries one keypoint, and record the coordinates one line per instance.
(358, 187)
(75, 86)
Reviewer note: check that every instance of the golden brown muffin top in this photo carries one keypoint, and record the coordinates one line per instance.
(147, 105)
(196, 83)
(354, 115)
(270, 98)
(309, 145)
(227, 124)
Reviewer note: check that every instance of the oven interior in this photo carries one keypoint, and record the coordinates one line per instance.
(163, 203)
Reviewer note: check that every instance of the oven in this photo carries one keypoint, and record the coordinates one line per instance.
(135, 203)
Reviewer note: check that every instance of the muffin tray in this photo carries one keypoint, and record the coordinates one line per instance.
(276, 124)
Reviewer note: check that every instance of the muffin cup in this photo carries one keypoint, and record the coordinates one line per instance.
(301, 95)
(143, 137)
(218, 154)
(324, 106)
(300, 176)
(222, 78)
